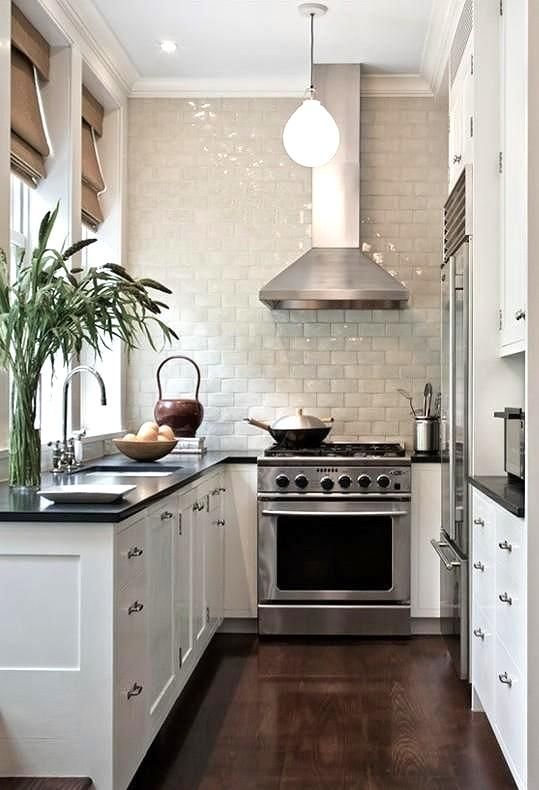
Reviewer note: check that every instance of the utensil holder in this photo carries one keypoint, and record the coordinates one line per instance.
(426, 434)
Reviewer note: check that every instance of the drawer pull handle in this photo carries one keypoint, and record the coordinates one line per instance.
(198, 506)
(505, 546)
(505, 679)
(479, 521)
(135, 607)
(220, 522)
(136, 551)
(479, 633)
(505, 598)
(135, 690)
(457, 159)
(166, 515)
(222, 490)
(479, 566)
(520, 314)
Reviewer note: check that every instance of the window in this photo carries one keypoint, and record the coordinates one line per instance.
(95, 418)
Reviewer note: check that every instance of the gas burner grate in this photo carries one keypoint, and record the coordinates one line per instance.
(340, 450)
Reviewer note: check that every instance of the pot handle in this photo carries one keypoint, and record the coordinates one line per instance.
(258, 423)
(168, 359)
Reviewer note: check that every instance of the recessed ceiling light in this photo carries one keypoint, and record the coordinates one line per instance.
(168, 46)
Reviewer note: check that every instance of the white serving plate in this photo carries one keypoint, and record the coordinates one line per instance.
(85, 494)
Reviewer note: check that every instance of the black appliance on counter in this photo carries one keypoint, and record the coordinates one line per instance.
(514, 461)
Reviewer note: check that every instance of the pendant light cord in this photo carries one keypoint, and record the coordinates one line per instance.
(311, 89)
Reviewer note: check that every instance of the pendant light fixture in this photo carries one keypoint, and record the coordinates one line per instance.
(311, 136)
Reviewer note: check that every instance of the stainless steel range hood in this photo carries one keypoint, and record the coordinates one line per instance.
(335, 273)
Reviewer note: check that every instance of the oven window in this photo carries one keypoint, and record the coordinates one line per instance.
(334, 553)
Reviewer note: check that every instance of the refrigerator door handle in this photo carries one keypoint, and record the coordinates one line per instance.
(438, 546)
(451, 399)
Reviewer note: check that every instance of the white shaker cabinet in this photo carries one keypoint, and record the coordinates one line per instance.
(426, 522)
(240, 541)
(461, 116)
(513, 175)
(498, 626)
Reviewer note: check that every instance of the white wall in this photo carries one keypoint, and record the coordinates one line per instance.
(216, 209)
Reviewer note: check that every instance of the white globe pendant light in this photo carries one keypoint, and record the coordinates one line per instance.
(311, 137)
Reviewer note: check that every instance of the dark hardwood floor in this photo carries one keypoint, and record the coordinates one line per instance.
(321, 715)
(45, 784)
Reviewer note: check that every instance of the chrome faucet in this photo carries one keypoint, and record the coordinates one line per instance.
(63, 456)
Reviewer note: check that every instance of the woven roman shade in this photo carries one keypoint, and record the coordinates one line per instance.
(92, 176)
(29, 62)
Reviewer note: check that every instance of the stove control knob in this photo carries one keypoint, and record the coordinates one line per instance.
(282, 481)
(364, 481)
(326, 483)
(345, 481)
(383, 481)
(301, 481)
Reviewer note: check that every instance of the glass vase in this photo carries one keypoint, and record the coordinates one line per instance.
(24, 439)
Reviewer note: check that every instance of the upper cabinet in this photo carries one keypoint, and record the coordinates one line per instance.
(461, 120)
(513, 174)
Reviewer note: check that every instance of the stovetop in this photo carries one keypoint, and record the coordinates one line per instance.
(340, 450)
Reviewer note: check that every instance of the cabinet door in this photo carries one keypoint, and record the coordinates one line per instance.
(426, 522)
(240, 541)
(161, 526)
(184, 604)
(513, 226)
(456, 141)
(215, 530)
(201, 618)
(482, 661)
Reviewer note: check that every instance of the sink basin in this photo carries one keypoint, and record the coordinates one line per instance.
(140, 470)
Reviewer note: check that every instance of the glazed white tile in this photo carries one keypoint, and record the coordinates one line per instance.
(216, 209)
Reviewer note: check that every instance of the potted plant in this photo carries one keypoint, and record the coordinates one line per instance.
(51, 309)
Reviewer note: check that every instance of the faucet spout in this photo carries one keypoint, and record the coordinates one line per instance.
(78, 370)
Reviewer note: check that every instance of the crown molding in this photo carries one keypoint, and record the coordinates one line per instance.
(82, 24)
(442, 25)
(393, 85)
(412, 85)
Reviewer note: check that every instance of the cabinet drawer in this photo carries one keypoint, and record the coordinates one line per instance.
(482, 645)
(510, 624)
(510, 536)
(130, 555)
(483, 582)
(510, 708)
(483, 528)
(130, 731)
(131, 629)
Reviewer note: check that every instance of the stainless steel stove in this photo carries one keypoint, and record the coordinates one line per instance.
(334, 540)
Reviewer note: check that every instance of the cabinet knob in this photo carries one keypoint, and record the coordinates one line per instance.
(166, 515)
(479, 633)
(520, 315)
(457, 159)
(134, 551)
(135, 690)
(506, 598)
(135, 607)
(505, 545)
(505, 679)
(480, 522)
(479, 566)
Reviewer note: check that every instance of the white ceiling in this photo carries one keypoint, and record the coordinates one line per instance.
(266, 39)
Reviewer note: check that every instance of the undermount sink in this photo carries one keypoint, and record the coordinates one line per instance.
(140, 470)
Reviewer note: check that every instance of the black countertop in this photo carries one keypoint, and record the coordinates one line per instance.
(505, 492)
(425, 458)
(18, 507)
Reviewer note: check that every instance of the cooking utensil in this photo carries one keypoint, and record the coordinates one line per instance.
(145, 451)
(184, 415)
(437, 404)
(297, 430)
(409, 398)
(427, 399)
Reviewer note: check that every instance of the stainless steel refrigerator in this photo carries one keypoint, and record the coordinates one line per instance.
(452, 546)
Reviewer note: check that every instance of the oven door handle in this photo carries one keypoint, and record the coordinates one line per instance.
(335, 513)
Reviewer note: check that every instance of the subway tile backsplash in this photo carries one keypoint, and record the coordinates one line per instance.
(216, 209)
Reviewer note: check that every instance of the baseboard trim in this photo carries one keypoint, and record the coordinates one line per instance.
(426, 626)
(239, 625)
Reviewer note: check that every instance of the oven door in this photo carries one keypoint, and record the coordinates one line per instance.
(334, 549)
